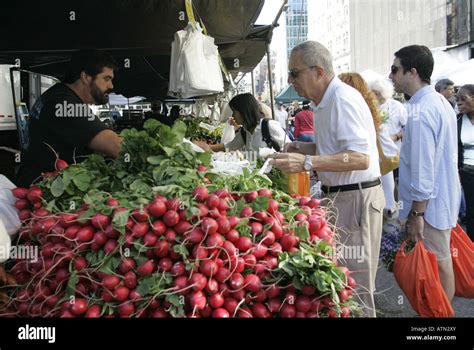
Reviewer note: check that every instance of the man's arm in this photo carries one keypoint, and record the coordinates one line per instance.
(341, 162)
(107, 142)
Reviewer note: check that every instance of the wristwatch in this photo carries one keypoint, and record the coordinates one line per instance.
(308, 164)
(414, 213)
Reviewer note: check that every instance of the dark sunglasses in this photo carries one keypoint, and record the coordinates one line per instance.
(395, 69)
(294, 72)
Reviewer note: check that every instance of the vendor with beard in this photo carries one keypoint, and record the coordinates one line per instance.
(61, 119)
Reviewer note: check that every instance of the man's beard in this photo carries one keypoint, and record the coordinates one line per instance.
(100, 98)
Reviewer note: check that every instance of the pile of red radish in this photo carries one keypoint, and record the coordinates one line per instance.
(213, 264)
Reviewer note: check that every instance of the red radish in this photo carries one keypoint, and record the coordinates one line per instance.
(274, 305)
(273, 206)
(158, 227)
(157, 208)
(243, 244)
(21, 204)
(24, 214)
(351, 282)
(208, 268)
(251, 196)
(201, 168)
(287, 242)
(220, 313)
(264, 192)
(214, 240)
(111, 232)
(60, 164)
(146, 268)
(178, 269)
(345, 312)
(223, 225)
(259, 250)
(246, 212)
(126, 309)
(110, 246)
(79, 306)
(198, 281)
(314, 203)
(230, 249)
(112, 202)
(271, 262)
(303, 303)
(150, 239)
(332, 313)
(212, 286)
(20, 192)
(80, 263)
(216, 301)
(165, 264)
(180, 282)
(200, 253)
(198, 300)
(301, 217)
(212, 201)
(268, 238)
(223, 206)
(244, 312)
(345, 270)
(183, 227)
(141, 215)
(256, 228)
(34, 194)
(308, 290)
(288, 311)
(85, 234)
(121, 293)
(209, 226)
(280, 217)
(304, 201)
(162, 249)
(275, 249)
(260, 310)
(250, 260)
(200, 193)
(130, 280)
(140, 229)
(343, 295)
(110, 281)
(230, 304)
(171, 218)
(126, 265)
(252, 283)
(222, 274)
(232, 235)
(94, 311)
(236, 281)
(100, 220)
(261, 216)
(99, 237)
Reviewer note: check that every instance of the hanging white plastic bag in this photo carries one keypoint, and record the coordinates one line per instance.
(228, 134)
(5, 243)
(8, 213)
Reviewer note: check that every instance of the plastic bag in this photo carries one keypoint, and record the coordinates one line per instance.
(462, 252)
(228, 134)
(417, 275)
(8, 213)
(5, 243)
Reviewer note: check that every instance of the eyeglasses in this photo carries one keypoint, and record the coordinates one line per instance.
(295, 72)
(395, 69)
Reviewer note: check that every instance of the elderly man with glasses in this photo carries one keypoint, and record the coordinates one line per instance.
(346, 159)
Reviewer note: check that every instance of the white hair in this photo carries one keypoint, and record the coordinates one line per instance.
(383, 86)
(315, 54)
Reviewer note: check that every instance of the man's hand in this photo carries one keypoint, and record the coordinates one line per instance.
(288, 162)
(203, 145)
(415, 227)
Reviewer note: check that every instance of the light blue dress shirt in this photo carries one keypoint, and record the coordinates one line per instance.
(428, 159)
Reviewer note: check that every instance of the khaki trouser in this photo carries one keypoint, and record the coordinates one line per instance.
(359, 223)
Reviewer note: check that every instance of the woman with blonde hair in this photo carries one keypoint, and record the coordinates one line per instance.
(389, 148)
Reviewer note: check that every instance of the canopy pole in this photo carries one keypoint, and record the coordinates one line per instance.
(270, 80)
(253, 82)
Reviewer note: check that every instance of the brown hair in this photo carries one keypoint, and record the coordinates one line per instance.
(357, 82)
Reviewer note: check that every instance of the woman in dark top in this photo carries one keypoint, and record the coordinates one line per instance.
(465, 100)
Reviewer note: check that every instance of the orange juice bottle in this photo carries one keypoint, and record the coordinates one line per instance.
(299, 183)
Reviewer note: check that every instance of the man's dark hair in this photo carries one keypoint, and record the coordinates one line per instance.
(418, 57)
(469, 88)
(443, 84)
(249, 108)
(90, 61)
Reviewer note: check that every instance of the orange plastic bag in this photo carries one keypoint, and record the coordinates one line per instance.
(417, 275)
(462, 253)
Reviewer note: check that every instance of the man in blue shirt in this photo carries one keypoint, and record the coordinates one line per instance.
(429, 188)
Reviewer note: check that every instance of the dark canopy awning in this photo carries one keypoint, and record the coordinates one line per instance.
(43, 35)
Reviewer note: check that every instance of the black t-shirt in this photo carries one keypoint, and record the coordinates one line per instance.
(60, 119)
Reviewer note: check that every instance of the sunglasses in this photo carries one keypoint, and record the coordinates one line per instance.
(295, 72)
(395, 69)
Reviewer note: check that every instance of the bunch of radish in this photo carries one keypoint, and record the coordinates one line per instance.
(162, 261)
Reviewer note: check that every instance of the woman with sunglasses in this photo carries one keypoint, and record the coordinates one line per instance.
(255, 132)
(465, 99)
